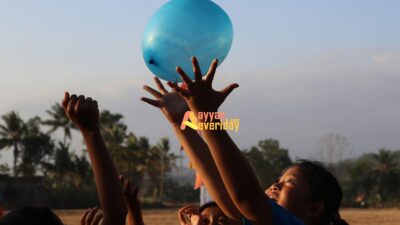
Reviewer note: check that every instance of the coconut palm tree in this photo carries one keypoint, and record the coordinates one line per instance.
(114, 134)
(11, 135)
(163, 146)
(386, 173)
(59, 120)
(36, 147)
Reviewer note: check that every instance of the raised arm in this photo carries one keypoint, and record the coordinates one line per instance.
(174, 107)
(84, 113)
(134, 216)
(236, 173)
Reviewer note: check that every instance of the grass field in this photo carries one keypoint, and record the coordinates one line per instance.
(169, 216)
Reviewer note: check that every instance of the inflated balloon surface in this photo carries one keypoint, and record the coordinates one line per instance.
(181, 29)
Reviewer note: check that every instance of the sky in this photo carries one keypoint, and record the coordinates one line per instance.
(305, 68)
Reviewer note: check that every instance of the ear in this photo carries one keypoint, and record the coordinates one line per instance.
(316, 209)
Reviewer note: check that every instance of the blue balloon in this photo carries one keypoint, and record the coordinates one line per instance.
(181, 29)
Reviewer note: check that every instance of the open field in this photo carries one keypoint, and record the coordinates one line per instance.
(169, 216)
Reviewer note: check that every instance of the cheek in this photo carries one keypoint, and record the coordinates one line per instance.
(293, 200)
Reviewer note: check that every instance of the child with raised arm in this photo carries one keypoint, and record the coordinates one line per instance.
(305, 194)
(134, 216)
(207, 214)
(84, 113)
(173, 106)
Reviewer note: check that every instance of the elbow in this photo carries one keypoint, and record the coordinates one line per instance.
(241, 198)
(250, 204)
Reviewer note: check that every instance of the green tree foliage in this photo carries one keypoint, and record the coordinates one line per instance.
(12, 132)
(374, 179)
(180, 193)
(4, 169)
(134, 157)
(68, 175)
(268, 160)
(36, 147)
(371, 179)
(58, 120)
(159, 161)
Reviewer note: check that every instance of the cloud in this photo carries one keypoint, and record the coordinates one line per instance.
(388, 61)
(346, 92)
(351, 92)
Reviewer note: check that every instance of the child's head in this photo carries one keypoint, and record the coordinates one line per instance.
(31, 215)
(310, 192)
(211, 214)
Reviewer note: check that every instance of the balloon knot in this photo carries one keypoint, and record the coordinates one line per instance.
(152, 62)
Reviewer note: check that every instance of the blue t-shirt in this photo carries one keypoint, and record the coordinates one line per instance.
(280, 216)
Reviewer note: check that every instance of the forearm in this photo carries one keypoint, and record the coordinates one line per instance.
(199, 154)
(108, 186)
(134, 219)
(237, 175)
(134, 216)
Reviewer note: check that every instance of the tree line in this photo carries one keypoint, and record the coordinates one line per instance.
(68, 177)
(370, 180)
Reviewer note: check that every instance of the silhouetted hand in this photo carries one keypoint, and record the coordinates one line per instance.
(134, 216)
(83, 112)
(192, 213)
(199, 95)
(171, 103)
(90, 217)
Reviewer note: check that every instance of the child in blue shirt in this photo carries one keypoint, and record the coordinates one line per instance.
(305, 193)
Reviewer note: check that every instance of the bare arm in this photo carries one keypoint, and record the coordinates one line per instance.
(236, 173)
(239, 178)
(200, 156)
(174, 107)
(134, 216)
(84, 113)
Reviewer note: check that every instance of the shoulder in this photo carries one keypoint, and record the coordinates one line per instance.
(280, 216)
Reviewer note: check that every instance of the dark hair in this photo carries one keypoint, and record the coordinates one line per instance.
(31, 215)
(207, 205)
(324, 187)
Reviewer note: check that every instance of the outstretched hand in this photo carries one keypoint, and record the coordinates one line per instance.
(90, 217)
(199, 95)
(171, 103)
(83, 112)
(192, 213)
(134, 216)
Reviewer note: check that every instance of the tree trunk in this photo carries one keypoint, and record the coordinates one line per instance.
(16, 155)
(161, 192)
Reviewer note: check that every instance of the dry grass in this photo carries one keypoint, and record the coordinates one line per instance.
(169, 216)
(150, 217)
(372, 216)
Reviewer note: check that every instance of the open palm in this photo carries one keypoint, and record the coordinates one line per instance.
(199, 95)
(171, 103)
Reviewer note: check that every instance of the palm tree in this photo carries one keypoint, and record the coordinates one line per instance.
(36, 147)
(114, 135)
(59, 120)
(386, 173)
(135, 159)
(163, 146)
(82, 170)
(140, 156)
(159, 162)
(63, 161)
(11, 135)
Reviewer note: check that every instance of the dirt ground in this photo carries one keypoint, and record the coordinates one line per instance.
(169, 216)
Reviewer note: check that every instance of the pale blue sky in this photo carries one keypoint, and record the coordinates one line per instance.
(305, 68)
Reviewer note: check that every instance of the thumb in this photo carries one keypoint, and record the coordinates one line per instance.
(65, 100)
(226, 91)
